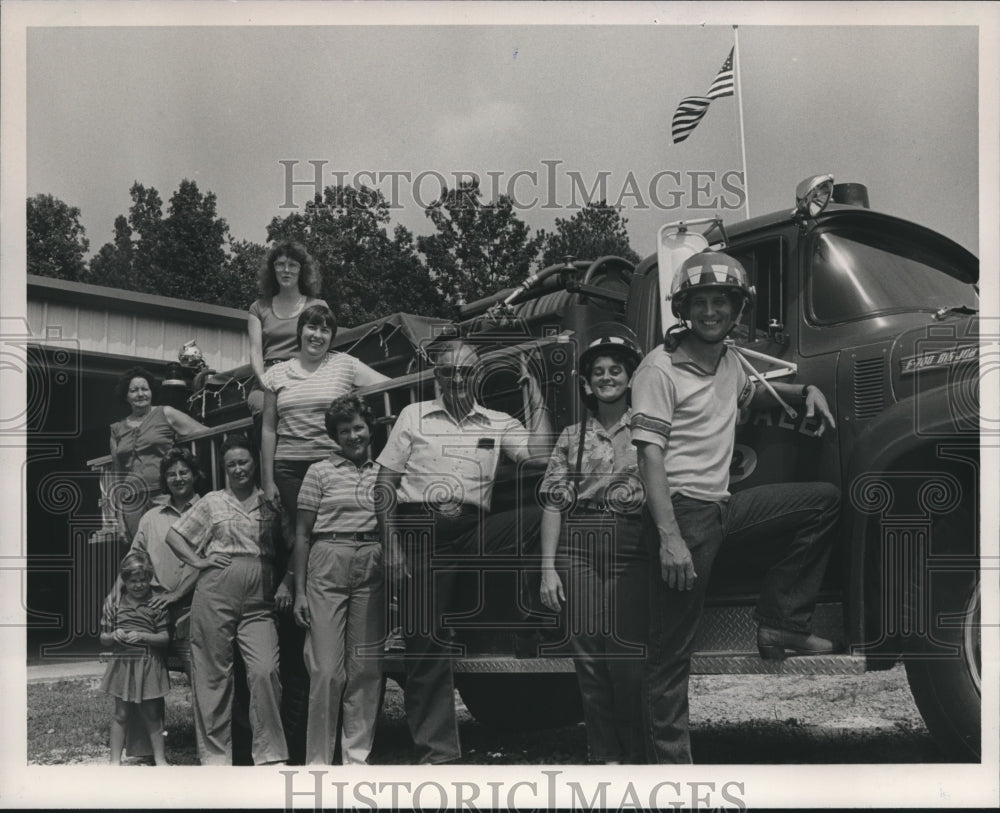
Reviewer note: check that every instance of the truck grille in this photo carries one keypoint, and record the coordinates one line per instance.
(869, 387)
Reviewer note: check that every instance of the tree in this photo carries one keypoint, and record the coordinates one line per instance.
(597, 230)
(56, 239)
(182, 255)
(410, 287)
(239, 276)
(366, 274)
(478, 249)
(187, 256)
(112, 265)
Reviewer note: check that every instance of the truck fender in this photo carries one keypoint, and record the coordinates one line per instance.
(924, 454)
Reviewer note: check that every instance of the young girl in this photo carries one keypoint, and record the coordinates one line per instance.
(137, 674)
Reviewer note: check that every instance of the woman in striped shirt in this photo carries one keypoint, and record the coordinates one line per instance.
(340, 589)
(296, 395)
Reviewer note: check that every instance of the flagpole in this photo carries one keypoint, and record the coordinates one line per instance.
(739, 96)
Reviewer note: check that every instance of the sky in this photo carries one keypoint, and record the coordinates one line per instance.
(893, 107)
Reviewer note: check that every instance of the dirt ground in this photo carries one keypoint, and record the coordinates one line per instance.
(734, 718)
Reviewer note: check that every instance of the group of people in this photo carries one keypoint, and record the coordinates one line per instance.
(233, 555)
(633, 508)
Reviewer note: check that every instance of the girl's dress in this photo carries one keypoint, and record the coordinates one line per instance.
(138, 452)
(135, 673)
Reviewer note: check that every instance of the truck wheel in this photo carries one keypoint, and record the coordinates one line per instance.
(946, 687)
(522, 701)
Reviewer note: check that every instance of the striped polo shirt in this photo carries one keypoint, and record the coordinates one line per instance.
(342, 495)
(302, 401)
(690, 413)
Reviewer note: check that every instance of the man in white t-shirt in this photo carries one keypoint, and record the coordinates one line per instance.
(685, 399)
(439, 464)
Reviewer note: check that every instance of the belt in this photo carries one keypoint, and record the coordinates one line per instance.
(597, 507)
(442, 509)
(359, 536)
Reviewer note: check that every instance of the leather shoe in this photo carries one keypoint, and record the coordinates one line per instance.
(774, 644)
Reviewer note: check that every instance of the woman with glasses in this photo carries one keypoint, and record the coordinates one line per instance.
(289, 283)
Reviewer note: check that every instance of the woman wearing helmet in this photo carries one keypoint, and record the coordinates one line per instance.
(686, 397)
(592, 479)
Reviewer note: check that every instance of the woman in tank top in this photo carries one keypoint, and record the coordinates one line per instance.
(289, 283)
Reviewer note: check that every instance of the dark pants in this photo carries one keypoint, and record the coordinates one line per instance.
(288, 477)
(806, 511)
(607, 613)
(441, 551)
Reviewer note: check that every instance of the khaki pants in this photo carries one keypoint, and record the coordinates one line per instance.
(236, 603)
(345, 589)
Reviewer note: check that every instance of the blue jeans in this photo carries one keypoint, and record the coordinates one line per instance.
(806, 512)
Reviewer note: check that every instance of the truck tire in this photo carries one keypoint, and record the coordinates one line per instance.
(522, 701)
(947, 687)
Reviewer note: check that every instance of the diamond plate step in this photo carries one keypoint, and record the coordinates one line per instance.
(716, 663)
(726, 644)
(743, 663)
(734, 629)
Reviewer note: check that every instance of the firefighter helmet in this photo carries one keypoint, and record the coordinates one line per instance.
(709, 270)
(610, 336)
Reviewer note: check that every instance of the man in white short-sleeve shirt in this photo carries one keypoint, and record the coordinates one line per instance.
(440, 462)
(685, 399)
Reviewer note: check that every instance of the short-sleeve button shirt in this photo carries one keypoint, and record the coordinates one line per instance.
(609, 470)
(341, 494)
(690, 413)
(448, 461)
(220, 523)
(168, 570)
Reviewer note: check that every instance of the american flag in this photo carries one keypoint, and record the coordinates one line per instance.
(691, 109)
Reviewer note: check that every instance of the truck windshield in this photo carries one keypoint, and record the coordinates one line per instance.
(857, 274)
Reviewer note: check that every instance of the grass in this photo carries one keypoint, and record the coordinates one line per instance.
(69, 723)
(735, 720)
(63, 726)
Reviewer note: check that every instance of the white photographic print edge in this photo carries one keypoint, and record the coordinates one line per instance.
(452, 142)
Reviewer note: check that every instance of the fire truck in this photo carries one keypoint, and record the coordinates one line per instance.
(881, 314)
